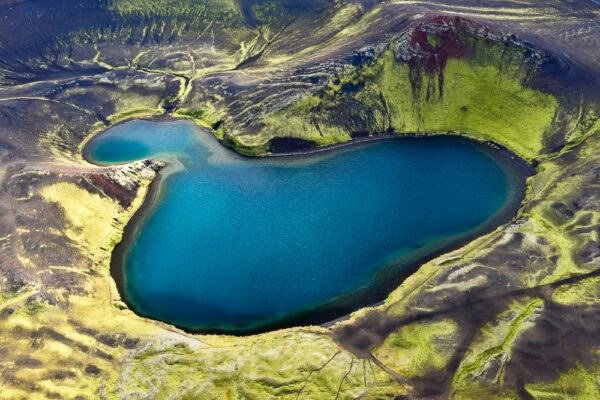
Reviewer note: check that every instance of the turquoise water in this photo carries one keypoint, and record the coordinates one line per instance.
(239, 245)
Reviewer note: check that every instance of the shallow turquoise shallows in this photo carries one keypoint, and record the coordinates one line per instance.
(232, 244)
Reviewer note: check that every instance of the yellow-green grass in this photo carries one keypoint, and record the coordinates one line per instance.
(213, 8)
(483, 99)
(578, 383)
(418, 349)
(494, 342)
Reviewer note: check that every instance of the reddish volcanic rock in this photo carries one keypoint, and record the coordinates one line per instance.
(113, 189)
(433, 42)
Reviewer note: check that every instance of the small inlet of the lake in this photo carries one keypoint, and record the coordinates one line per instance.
(230, 244)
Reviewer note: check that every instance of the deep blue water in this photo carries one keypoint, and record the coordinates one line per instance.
(236, 244)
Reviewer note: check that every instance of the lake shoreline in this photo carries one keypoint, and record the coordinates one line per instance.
(382, 283)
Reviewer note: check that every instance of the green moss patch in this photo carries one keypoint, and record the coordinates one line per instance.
(482, 96)
(416, 350)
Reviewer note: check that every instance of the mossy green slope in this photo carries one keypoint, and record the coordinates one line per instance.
(484, 97)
